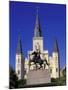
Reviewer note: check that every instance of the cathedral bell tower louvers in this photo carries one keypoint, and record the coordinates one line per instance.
(19, 60)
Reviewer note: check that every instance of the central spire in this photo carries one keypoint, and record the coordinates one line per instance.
(37, 30)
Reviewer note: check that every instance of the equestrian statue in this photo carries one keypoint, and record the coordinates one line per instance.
(37, 59)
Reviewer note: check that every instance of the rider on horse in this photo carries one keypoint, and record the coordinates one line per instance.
(37, 59)
(36, 56)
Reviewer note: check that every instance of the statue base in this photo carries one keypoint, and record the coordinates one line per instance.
(40, 76)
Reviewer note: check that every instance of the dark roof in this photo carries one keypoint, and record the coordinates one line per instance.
(19, 46)
(37, 29)
(56, 49)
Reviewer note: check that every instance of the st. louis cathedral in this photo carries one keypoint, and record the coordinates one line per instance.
(25, 65)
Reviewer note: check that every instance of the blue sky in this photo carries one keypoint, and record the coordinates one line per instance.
(52, 21)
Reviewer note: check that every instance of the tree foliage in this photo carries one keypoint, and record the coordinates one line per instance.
(60, 81)
(13, 80)
(21, 83)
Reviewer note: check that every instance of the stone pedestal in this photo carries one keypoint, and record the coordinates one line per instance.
(40, 76)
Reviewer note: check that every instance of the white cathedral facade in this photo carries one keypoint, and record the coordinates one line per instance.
(22, 64)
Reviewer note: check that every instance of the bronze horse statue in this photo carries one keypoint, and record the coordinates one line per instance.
(37, 59)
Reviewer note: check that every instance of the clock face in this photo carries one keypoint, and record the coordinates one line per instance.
(37, 46)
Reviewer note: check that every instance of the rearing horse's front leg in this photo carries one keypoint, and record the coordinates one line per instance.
(44, 65)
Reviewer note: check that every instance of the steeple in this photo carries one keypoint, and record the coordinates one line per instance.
(37, 29)
(56, 49)
(19, 60)
(19, 45)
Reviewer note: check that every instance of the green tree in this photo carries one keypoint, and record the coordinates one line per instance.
(21, 83)
(13, 80)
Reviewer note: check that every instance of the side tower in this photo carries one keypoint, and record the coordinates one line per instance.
(55, 62)
(19, 60)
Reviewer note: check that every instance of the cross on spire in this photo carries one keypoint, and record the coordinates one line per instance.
(37, 10)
